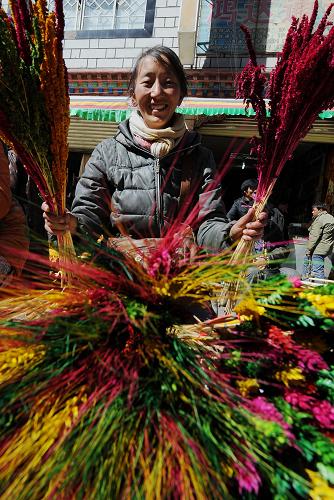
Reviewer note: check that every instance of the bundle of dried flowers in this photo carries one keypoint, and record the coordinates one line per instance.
(34, 100)
(301, 85)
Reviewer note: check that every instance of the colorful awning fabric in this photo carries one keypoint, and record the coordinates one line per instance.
(116, 109)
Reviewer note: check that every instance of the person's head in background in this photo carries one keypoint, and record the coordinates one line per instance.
(319, 207)
(283, 206)
(157, 86)
(248, 188)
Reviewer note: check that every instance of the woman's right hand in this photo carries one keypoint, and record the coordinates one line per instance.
(58, 224)
(247, 229)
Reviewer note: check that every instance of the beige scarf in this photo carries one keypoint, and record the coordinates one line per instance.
(159, 141)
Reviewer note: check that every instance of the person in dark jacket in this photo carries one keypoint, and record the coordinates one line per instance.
(132, 181)
(241, 205)
(273, 248)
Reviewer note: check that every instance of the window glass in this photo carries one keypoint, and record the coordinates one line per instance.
(130, 14)
(103, 14)
(98, 14)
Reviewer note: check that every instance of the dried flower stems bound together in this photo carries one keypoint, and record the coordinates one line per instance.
(301, 85)
(34, 101)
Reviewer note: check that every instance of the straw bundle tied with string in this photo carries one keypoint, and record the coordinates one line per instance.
(300, 86)
(34, 101)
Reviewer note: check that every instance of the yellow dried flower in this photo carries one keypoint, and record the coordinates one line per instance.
(227, 469)
(249, 308)
(243, 318)
(17, 361)
(53, 254)
(163, 290)
(323, 303)
(247, 386)
(320, 490)
(288, 376)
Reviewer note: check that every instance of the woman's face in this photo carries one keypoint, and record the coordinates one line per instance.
(157, 93)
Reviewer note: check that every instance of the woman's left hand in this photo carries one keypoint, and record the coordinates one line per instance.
(186, 243)
(247, 229)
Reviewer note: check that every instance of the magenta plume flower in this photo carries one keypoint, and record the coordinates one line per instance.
(247, 477)
(323, 412)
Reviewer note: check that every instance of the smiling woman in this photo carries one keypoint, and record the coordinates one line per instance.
(133, 183)
(157, 86)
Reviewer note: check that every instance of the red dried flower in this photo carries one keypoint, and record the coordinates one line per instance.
(307, 359)
(301, 85)
(22, 23)
(280, 339)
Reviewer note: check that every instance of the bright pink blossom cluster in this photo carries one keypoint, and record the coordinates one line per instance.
(322, 411)
(247, 476)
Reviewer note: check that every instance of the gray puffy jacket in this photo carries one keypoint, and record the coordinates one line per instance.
(124, 184)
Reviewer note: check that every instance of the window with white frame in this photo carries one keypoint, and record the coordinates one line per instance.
(103, 14)
(106, 18)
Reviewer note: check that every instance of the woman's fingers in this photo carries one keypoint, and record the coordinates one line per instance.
(55, 224)
(58, 224)
(255, 229)
(247, 229)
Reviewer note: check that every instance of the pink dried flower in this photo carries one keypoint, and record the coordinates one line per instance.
(160, 261)
(295, 280)
(310, 360)
(247, 476)
(299, 400)
(268, 411)
(323, 412)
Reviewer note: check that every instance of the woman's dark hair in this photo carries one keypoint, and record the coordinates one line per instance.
(168, 58)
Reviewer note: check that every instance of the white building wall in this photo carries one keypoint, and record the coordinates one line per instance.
(120, 53)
